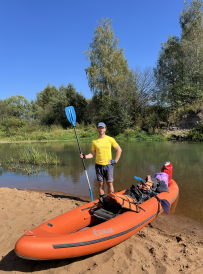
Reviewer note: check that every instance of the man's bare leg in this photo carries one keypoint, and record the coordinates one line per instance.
(110, 187)
(101, 188)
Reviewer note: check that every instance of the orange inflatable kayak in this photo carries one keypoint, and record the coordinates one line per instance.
(78, 232)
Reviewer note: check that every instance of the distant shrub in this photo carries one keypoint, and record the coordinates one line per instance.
(196, 134)
(14, 122)
(142, 135)
(41, 136)
(129, 133)
(136, 128)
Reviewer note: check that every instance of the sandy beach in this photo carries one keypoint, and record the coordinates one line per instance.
(169, 244)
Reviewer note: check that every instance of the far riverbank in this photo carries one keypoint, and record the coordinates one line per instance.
(47, 134)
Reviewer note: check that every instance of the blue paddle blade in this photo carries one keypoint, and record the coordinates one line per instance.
(165, 205)
(70, 113)
(138, 178)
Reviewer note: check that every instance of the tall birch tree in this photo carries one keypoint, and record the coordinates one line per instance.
(108, 65)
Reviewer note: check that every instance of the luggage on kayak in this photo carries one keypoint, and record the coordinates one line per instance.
(162, 176)
(125, 201)
(137, 194)
(168, 168)
(162, 187)
(115, 204)
(150, 184)
(134, 192)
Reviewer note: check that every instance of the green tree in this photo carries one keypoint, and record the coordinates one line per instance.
(113, 113)
(4, 110)
(179, 69)
(191, 21)
(112, 82)
(46, 95)
(17, 106)
(108, 66)
(169, 72)
(52, 103)
(35, 110)
(15, 113)
(77, 100)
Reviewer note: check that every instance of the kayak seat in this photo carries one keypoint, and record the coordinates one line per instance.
(103, 214)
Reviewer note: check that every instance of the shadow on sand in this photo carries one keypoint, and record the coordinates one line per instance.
(62, 196)
(11, 262)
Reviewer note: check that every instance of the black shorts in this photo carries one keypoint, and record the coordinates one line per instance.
(104, 172)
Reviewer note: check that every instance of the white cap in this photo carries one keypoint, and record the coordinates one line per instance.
(166, 163)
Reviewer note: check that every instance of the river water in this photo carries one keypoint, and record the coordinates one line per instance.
(137, 159)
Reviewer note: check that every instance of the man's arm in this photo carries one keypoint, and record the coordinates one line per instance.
(118, 153)
(89, 156)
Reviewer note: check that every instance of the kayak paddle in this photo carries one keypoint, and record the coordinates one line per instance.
(71, 115)
(164, 203)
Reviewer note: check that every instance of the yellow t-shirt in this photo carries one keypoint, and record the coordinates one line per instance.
(103, 149)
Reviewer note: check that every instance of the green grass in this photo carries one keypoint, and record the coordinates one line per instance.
(139, 136)
(30, 155)
(57, 133)
(83, 134)
(29, 160)
(50, 133)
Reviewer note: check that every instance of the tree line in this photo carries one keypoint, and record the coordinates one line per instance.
(122, 97)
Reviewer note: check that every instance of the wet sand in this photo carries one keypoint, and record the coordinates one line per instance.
(169, 244)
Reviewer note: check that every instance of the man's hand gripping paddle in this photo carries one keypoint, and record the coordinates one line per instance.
(164, 203)
(71, 115)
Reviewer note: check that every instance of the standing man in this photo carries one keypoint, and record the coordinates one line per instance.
(104, 163)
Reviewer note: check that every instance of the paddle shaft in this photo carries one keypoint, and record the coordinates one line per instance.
(84, 165)
(79, 147)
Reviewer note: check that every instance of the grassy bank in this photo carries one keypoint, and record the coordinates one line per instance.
(55, 133)
(43, 133)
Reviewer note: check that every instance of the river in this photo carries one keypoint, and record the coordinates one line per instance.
(137, 159)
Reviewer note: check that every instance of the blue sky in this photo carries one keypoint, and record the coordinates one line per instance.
(42, 41)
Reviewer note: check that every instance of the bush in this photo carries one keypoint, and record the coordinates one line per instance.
(129, 133)
(136, 128)
(2, 134)
(142, 135)
(79, 126)
(196, 134)
(14, 122)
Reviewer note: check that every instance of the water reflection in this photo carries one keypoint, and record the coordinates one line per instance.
(138, 159)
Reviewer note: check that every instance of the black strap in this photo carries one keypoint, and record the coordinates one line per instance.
(90, 206)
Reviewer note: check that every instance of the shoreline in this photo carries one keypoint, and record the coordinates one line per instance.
(33, 141)
(169, 244)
